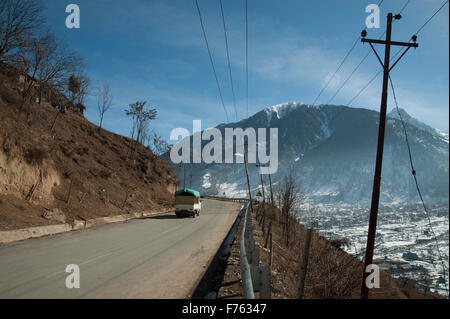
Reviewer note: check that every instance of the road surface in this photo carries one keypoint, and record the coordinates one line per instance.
(156, 257)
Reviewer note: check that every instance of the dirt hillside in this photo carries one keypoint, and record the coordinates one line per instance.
(75, 171)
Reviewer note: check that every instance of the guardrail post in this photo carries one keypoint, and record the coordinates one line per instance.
(245, 268)
(269, 231)
(254, 257)
(261, 280)
(265, 289)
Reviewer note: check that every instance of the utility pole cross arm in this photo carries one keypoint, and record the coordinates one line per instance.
(403, 44)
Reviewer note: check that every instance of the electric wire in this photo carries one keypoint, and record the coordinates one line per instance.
(362, 60)
(228, 58)
(246, 53)
(404, 7)
(434, 14)
(378, 73)
(340, 64)
(211, 59)
(336, 71)
(413, 171)
(351, 74)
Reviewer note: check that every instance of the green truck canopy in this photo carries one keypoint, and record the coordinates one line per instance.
(187, 191)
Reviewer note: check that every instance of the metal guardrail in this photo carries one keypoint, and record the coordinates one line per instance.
(240, 200)
(255, 278)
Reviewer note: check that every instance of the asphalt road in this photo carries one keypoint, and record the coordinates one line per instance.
(155, 257)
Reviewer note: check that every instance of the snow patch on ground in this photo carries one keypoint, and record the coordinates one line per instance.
(280, 110)
(326, 190)
(443, 135)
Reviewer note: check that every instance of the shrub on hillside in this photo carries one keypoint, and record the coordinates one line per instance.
(34, 155)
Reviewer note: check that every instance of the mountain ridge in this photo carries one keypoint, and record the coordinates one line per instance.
(332, 149)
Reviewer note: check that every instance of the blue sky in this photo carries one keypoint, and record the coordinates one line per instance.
(154, 50)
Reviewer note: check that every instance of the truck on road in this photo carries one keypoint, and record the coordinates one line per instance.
(187, 202)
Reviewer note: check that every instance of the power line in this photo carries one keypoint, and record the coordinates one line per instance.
(348, 78)
(413, 171)
(378, 73)
(337, 70)
(340, 65)
(246, 52)
(211, 59)
(351, 74)
(228, 58)
(364, 87)
(372, 79)
(420, 29)
(362, 60)
(403, 8)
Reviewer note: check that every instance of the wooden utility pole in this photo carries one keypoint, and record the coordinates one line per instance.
(262, 185)
(271, 192)
(381, 129)
(304, 266)
(248, 182)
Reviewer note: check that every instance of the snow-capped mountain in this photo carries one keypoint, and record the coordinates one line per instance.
(412, 121)
(331, 150)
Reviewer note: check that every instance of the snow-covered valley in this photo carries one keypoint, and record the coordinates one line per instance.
(405, 245)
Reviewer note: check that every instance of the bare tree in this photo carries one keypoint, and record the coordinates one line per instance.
(29, 59)
(78, 88)
(74, 87)
(58, 63)
(85, 84)
(104, 101)
(60, 108)
(45, 63)
(19, 21)
(289, 198)
(157, 144)
(141, 117)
